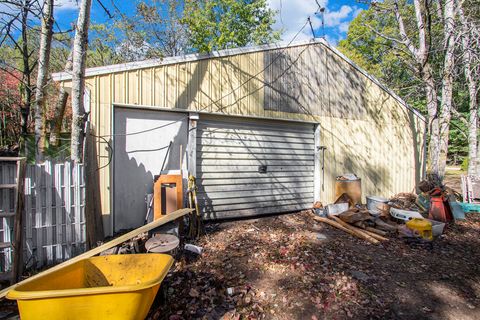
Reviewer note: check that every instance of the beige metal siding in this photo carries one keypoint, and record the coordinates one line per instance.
(364, 128)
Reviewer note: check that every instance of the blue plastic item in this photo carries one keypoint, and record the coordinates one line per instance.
(470, 207)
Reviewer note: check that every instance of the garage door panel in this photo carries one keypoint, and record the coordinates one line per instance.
(212, 178)
(210, 214)
(258, 162)
(239, 194)
(255, 137)
(243, 150)
(252, 184)
(234, 168)
(249, 156)
(207, 131)
(228, 158)
(255, 126)
(274, 203)
(254, 144)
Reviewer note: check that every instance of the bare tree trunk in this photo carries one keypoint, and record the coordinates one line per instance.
(59, 111)
(42, 77)
(447, 83)
(78, 80)
(467, 59)
(26, 90)
(60, 107)
(433, 125)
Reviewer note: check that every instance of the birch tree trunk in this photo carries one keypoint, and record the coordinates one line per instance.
(420, 55)
(469, 70)
(447, 83)
(78, 80)
(60, 107)
(42, 77)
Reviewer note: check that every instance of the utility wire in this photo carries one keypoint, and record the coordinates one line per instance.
(222, 97)
(102, 137)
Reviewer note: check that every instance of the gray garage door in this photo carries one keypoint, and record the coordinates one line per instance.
(247, 168)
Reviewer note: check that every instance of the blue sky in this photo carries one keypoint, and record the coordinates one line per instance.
(291, 15)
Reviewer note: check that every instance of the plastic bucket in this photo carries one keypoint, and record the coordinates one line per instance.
(374, 203)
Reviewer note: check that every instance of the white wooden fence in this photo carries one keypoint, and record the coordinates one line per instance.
(54, 214)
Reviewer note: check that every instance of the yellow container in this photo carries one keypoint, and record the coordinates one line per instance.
(421, 226)
(105, 287)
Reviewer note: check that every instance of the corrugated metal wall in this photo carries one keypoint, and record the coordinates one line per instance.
(229, 156)
(365, 129)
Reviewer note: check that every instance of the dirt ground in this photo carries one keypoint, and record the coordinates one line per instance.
(290, 267)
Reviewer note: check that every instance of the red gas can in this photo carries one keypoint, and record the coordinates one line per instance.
(439, 207)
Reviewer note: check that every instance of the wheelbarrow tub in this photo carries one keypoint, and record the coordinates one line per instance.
(104, 287)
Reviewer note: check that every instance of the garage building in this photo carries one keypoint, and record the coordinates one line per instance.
(264, 129)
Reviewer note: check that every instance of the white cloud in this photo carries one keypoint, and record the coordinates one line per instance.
(291, 16)
(334, 18)
(343, 27)
(66, 4)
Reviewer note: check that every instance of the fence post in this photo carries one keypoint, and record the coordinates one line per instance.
(93, 219)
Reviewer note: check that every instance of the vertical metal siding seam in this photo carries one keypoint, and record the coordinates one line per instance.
(152, 87)
(139, 75)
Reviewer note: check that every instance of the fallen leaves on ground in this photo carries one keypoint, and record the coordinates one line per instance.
(290, 267)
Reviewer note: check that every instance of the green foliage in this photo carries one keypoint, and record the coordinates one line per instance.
(464, 165)
(222, 24)
(391, 64)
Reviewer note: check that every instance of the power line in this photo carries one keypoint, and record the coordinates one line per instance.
(111, 149)
(219, 99)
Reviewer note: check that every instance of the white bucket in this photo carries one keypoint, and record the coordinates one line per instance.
(373, 202)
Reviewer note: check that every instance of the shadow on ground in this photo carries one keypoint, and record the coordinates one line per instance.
(283, 268)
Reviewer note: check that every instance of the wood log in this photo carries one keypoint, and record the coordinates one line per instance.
(360, 232)
(152, 225)
(347, 230)
(374, 235)
(379, 232)
(339, 226)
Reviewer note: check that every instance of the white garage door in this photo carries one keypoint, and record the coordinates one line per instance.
(247, 168)
(140, 145)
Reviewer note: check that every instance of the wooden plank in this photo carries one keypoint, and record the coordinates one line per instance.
(163, 220)
(11, 159)
(77, 202)
(38, 214)
(67, 185)
(58, 211)
(48, 212)
(17, 269)
(6, 214)
(29, 241)
(8, 186)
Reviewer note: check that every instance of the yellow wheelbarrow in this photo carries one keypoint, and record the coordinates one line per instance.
(104, 287)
